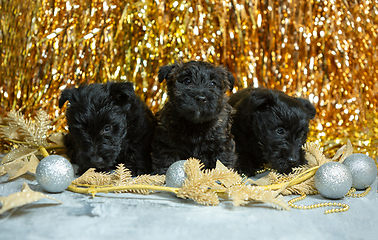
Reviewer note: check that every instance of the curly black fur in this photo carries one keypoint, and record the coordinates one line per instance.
(196, 119)
(269, 128)
(108, 124)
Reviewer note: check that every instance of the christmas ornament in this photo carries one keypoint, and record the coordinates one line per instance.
(363, 169)
(333, 180)
(176, 175)
(54, 173)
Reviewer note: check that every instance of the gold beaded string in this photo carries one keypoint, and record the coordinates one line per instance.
(264, 169)
(357, 195)
(343, 207)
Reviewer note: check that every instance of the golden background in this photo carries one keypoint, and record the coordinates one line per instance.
(326, 51)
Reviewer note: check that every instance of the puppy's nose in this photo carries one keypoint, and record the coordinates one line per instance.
(200, 99)
(292, 160)
(97, 160)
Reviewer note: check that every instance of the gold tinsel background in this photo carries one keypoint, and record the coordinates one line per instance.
(324, 50)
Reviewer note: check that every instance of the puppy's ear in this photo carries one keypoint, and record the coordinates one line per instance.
(164, 72)
(261, 100)
(120, 92)
(308, 106)
(68, 94)
(231, 79)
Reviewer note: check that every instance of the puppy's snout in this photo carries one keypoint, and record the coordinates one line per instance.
(97, 160)
(292, 160)
(200, 99)
(293, 156)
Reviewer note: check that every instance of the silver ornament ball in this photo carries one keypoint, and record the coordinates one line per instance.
(363, 168)
(176, 175)
(333, 180)
(54, 173)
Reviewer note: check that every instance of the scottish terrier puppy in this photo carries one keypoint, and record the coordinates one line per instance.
(196, 119)
(108, 124)
(270, 129)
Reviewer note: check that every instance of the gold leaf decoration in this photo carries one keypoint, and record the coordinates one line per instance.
(12, 167)
(17, 153)
(21, 166)
(9, 132)
(2, 170)
(22, 198)
(57, 138)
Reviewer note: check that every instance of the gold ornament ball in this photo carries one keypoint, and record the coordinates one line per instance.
(333, 180)
(54, 173)
(363, 168)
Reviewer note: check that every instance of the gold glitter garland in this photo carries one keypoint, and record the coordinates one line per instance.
(322, 50)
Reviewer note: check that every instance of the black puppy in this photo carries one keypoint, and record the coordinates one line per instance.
(269, 128)
(108, 124)
(196, 119)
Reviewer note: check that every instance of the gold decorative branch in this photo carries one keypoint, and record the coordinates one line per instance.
(298, 179)
(94, 190)
(202, 186)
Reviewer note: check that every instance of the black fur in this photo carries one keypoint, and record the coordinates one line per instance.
(269, 128)
(196, 119)
(108, 124)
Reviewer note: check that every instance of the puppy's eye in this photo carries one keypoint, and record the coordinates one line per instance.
(213, 83)
(187, 81)
(107, 128)
(280, 131)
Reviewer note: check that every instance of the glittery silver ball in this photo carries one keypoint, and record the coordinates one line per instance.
(175, 175)
(54, 173)
(333, 180)
(363, 168)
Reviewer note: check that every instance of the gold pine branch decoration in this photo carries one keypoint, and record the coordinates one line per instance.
(123, 177)
(120, 181)
(307, 186)
(242, 194)
(202, 186)
(90, 177)
(27, 130)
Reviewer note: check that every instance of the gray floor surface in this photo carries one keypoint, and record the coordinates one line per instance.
(164, 216)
